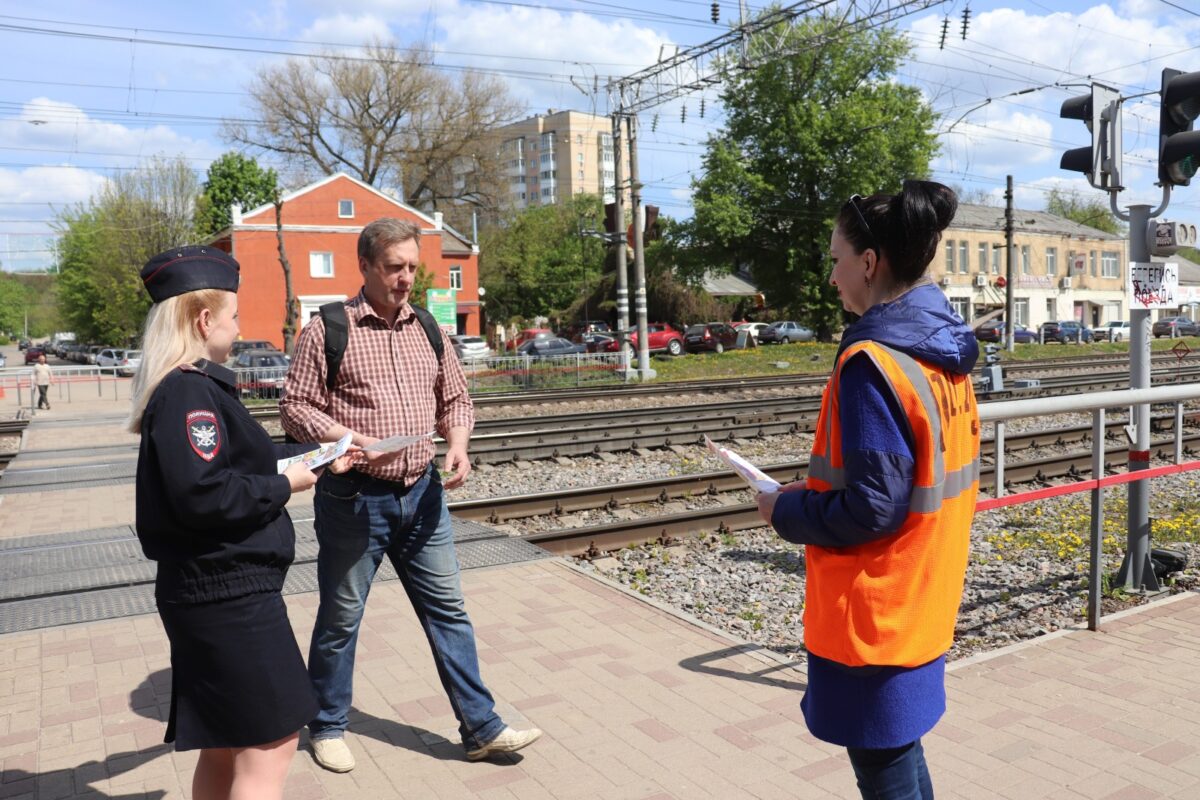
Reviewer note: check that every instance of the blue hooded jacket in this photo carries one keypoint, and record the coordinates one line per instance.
(876, 448)
(876, 707)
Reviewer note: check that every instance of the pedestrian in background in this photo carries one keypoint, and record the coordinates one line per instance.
(210, 511)
(43, 376)
(886, 509)
(391, 381)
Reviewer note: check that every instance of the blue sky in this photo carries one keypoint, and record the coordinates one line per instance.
(88, 89)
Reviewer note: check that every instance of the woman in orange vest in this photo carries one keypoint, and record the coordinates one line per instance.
(885, 512)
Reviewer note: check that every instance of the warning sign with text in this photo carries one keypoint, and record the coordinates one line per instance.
(1153, 285)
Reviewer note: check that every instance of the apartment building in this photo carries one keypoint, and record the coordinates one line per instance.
(556, 155)
(1061, 269)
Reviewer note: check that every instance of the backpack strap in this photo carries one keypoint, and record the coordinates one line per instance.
(337, 336)
(433, 331)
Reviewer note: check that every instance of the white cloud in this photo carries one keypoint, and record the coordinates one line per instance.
(348, 29)
(51, 125)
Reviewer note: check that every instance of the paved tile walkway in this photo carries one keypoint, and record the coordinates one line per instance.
(637, 703)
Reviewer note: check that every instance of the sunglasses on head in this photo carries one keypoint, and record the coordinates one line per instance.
(862, 220)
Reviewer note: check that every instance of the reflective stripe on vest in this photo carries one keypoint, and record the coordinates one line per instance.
(893, 600)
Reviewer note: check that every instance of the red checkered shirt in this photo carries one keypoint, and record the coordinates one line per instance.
(389, 384)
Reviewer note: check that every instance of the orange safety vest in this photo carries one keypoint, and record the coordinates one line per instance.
(893, 600)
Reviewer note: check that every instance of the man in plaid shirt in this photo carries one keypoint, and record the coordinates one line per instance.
(390, 383)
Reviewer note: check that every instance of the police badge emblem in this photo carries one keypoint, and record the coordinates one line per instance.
(203, 434)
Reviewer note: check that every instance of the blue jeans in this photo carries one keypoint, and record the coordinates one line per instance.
(358, 520)
(897, 773)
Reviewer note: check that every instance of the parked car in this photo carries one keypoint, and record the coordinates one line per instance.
(32, 354)
(785, 333)
(1175, 326)
(91, 353)
(994, 332)
(714, 336)
(129, 364)
(755, 328)
(549, 346)
(242, 345)
(595, 342)
(261, 373)
(109, 357)
(662, 337)
(468, 348)
(529, 334)
(3, 361)
(1067, 330)
(1115, 331)
(22, 344)
(575, 329)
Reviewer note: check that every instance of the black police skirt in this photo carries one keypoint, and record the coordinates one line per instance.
(237, 676)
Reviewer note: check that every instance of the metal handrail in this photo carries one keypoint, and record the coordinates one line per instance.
(1138, 545)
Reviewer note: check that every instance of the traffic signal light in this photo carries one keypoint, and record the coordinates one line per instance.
(611, 224)
(1101, 111)
(992, 353)
(1178, 144)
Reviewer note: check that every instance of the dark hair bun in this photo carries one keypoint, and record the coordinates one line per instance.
(928, 206)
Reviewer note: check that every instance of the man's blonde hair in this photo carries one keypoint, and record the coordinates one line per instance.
(170, 338)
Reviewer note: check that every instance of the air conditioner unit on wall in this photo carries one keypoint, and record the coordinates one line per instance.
(945, 280)
(981, 281)
(1065, 282)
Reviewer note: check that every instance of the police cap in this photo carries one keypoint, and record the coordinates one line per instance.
(186, 269)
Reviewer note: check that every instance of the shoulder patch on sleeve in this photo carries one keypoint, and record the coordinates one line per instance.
(204, 435)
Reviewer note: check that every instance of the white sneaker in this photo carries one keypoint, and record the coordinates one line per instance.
(333, 755)
(509, 741)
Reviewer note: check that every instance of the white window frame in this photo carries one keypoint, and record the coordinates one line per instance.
(1026, 266)
(456, 277)
(1110, 264)
(1051, 260)
(997, 249)
(341, 205)
(982, 248)
(949, 256)
(310, 304)
(326, 257)
(964, 256)
(1021, 310)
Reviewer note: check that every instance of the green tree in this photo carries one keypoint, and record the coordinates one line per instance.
(232, 178)
(803, 133)
(541, 260)
(104, 244)
(1091, 211)
(14, 301)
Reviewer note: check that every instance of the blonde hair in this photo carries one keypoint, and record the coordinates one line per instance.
(170, 338)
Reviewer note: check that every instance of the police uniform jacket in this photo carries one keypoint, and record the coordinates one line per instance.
(210, 502)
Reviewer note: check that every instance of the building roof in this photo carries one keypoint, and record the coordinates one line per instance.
(728, 284)
(991, 218)
(452, 240)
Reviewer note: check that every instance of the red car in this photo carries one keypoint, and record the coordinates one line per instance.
(662, 337)
(32, 354)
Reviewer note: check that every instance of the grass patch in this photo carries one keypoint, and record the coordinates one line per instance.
(803, 359)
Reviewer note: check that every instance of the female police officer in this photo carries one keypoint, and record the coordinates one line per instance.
(210, 511)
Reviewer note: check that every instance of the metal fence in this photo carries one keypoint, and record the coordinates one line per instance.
(506, 373)
(79, 381)
(260, 383)
(1138, 546)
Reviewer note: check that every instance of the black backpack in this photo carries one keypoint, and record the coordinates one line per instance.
(337, 336)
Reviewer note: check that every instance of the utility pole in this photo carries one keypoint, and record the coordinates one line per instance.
(1137, 571)
(619, 236)
(639, 257)
(1010, 324)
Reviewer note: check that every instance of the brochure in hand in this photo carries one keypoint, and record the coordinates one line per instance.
(394, 443)
(758, 480)
(319, 457)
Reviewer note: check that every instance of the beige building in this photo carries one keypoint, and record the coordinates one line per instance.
(1061, 269)
(559, 154)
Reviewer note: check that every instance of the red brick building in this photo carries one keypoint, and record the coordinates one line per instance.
(321, 223)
